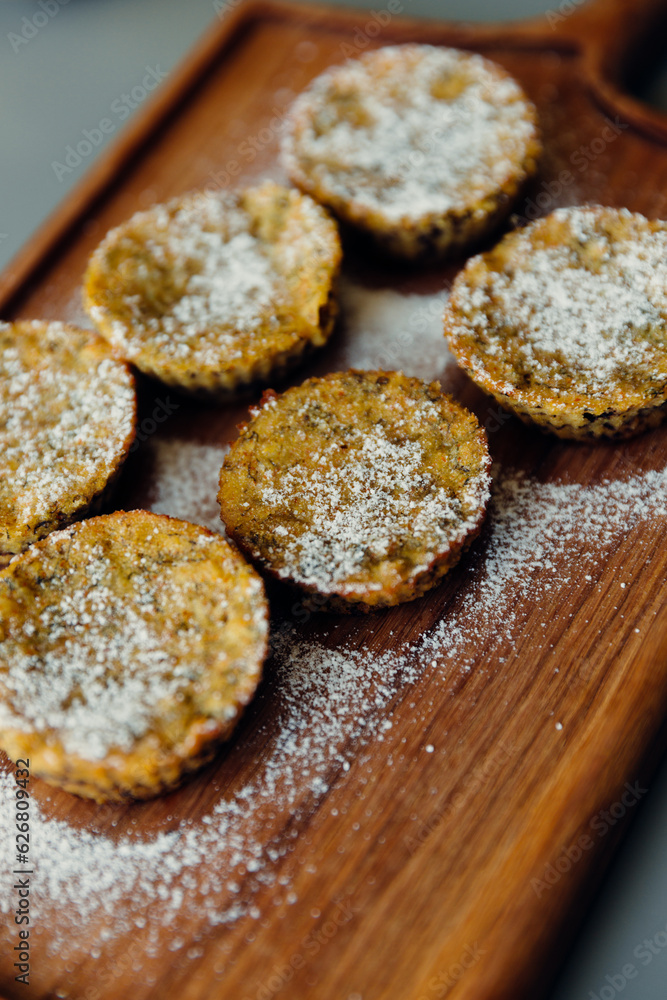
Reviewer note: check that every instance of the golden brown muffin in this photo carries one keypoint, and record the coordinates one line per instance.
(67, 419)
(424, 148)
(130, 645)
(362, 488)
(214, 290)
(565, 322)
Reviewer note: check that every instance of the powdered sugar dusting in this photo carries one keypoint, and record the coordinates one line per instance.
(586, 314)
(63, 429)
(212, 279)
(85, 657)
(217, 280)
(72, 687)
(365, 509)
(410, 131)
(235, 285)
(332, 701)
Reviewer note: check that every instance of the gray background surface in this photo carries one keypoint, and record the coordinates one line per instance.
(81, 59)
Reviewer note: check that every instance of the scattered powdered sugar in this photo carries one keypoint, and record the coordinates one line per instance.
(410, 130)
(586, 314)
(185, 480)
(533, 526)
(331, 702)
(63, 429)
(394, 331)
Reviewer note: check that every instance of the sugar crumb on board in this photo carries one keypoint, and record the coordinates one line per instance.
(395, 331)
(185, 480)
(332, 709)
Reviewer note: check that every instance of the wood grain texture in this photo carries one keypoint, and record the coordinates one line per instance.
(429, 857)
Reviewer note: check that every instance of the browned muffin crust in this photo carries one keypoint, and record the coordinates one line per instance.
(565, 322)
(130, 645)
(425, 148)
(67, 420)
(362, 488)
(215, 290)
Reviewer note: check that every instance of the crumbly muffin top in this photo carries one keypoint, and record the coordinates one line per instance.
(351, 483)
(125, 628)
(67, 412)
(574, 305)
(212, 278)
(411, 131)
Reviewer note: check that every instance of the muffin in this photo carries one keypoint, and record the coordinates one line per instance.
(67, 421)
(215, 290)
(565, 322)
(426, 149)
(130, 645)
(361, 488)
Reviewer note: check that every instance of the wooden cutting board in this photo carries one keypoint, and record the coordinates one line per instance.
(426, 809)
